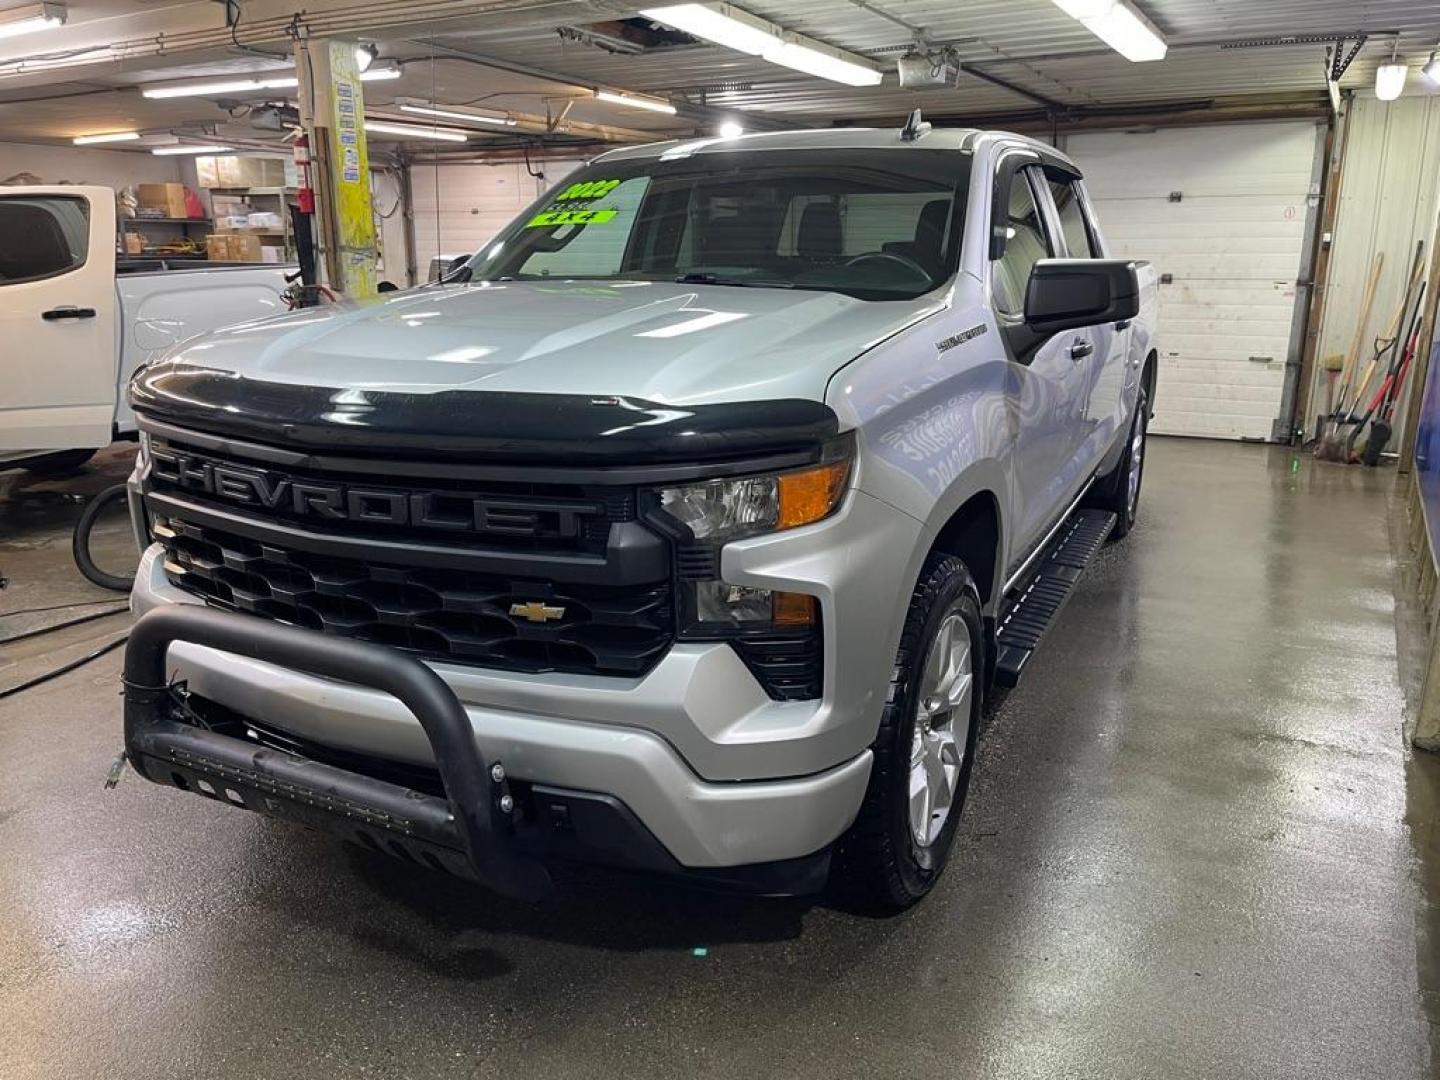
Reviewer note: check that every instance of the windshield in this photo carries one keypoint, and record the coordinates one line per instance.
(877, 224)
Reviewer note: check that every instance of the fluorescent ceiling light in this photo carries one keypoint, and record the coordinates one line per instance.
(1431, 70)
(32, 17)
(824, 64)
(415, 131)
(163, 150)
(1120, 25)
(1084, 9)
(113, 136)
(202, 87)
(747, 35)
(220, 86)
(634, 101)
(1390, 80)
(735, 29)
(731, 129)
(450, 114)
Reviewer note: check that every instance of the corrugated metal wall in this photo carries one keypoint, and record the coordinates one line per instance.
(1389, 194)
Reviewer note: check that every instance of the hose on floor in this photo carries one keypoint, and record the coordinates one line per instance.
(65, 668)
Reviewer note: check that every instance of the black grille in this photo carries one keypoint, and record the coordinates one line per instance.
(460, 615)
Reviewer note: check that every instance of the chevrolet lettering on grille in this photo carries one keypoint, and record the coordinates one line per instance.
(457, 511)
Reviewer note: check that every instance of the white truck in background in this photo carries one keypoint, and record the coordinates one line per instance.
(76, 320)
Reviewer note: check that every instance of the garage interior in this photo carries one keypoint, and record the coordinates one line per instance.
(1202, 838)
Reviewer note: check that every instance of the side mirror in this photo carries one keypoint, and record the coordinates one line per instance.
(1066, 293)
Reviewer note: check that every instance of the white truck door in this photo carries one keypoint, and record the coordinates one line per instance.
(57, 318)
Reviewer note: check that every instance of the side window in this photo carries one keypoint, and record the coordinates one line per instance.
(1026, 244)
(1072, 219)
(43, 236)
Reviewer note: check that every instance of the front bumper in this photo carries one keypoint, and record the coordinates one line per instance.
(634, 777)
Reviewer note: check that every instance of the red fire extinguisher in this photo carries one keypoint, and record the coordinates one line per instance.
(305, 196)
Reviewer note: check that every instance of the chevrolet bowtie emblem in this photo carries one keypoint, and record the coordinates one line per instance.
(536, 611)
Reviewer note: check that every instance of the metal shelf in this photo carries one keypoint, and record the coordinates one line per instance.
(124, 222)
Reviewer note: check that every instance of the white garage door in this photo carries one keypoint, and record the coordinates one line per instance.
(459, 207)
(1232, 242)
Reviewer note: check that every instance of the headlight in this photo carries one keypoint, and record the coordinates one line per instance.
(703, 517)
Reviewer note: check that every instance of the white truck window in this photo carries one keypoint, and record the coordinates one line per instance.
(41, 236)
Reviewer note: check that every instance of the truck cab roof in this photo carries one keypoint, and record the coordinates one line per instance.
(848, 138)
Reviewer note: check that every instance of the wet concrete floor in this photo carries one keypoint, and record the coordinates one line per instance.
(1192, 850)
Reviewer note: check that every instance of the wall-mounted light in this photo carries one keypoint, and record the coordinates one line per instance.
(731, 129)
(365, 56)
(736, 29)
(32, 17)
(1119, 24)
(110, 136)
(1431, 70)
(1390, 80)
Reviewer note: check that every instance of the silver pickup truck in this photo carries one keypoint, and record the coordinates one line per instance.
(683, 528)
(76, 320)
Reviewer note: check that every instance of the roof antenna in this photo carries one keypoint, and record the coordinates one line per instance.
(914, 127)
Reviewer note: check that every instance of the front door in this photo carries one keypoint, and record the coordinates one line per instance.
(1047, 388)
(57, 318)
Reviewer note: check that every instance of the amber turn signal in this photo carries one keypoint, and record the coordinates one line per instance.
(810, 495)
(792, 609)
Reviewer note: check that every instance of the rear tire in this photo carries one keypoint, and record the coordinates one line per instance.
(923, 753)
(1119, 490)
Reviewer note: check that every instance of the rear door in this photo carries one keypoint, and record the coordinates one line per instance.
(57, 318)
(1106, 371)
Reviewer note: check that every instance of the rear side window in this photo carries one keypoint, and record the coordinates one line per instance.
(1072, 220)
(1025, 244)
(41, 236)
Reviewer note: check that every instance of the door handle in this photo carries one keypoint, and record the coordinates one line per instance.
(1080, 350)
(68, 312)
(1123, 324)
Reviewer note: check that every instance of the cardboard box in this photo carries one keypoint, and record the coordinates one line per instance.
(207, 171)
(217, 248)
(272, 254)
(243, 248)
(167, 197)
(227, 171)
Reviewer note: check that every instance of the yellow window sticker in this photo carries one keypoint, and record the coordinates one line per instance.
(589, 189)
(570, 217)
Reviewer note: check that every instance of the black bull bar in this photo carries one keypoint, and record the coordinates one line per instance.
(470, 830)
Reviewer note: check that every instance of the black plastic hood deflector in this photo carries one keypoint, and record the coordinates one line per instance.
(475, 425)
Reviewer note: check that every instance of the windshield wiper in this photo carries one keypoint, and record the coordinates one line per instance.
(720, 279)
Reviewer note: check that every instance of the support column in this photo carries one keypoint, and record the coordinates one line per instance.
(332, 111)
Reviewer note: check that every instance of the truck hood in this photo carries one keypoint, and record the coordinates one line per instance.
(673, 344)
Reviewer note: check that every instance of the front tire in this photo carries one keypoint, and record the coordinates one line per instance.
(923, 753)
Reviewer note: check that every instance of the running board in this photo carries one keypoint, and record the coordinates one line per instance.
(1039, 599)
